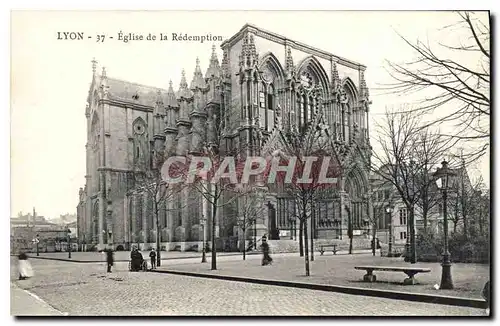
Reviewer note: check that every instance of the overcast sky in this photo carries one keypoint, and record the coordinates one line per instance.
(50, 78)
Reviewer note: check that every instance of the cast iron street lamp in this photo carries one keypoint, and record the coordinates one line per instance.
(389, 209)
(442, 180)
(203, 221)
(69, 243)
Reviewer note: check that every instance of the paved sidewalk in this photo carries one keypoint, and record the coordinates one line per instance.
(87, 290)
(469, 279)
(24, 303)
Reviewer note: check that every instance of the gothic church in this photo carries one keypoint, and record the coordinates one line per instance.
(266, 87)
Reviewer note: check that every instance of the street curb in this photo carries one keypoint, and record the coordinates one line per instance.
(418, 297)
(124, 261)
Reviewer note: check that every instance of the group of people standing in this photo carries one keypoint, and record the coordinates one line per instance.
(136, 259)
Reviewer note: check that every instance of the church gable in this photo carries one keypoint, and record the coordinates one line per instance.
(276, 141)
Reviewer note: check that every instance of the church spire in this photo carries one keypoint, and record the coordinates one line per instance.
(104, 83)
(225, 68)
(94, 66)
(171, 100)
(184, 91)
(289, 67)
(170, 104)
(363, 89)
(335, 78)
(213, 68)
(248, 57)
(198, 81)
(159, 99)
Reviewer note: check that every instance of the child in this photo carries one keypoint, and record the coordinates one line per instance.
(25, 270)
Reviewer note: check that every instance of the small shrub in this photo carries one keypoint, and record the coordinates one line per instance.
(429, 247)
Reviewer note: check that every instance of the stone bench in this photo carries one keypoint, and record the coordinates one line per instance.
(409, 271)
(322, 248)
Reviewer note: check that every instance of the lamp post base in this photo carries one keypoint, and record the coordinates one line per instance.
(446, 280)
(203, 257)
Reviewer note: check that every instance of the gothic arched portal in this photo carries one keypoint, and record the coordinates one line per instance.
(357, 187)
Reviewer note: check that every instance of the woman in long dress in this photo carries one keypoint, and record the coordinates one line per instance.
(24, 266)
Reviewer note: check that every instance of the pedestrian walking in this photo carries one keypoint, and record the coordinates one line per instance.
(24, 267)
(109, 259)
(152, 255)
(266, 258)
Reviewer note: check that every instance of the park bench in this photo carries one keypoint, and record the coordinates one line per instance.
(322, 248)
(409, 271)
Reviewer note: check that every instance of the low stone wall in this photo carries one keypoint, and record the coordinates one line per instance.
(357, 243)
(283, 246)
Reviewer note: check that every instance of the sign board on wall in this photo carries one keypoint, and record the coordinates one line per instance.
(284, 233)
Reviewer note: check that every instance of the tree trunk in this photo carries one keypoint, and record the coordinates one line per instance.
(301, 238)
(243, 230)
(413, 243)
(480, 220)
(158, 244)
(214, 213)
(464, 216)
(374, 249)
(349, 231)
(424, 217)
(306, 249)
(312, 236)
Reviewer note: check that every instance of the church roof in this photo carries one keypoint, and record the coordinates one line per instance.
(129, 92)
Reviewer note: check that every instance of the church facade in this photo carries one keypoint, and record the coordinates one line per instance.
(265, 89)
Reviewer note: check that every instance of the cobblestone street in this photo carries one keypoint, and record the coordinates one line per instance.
(85, 289)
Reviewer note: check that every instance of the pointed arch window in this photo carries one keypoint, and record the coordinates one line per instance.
(140, 143)
(270, 108)
(310, 108)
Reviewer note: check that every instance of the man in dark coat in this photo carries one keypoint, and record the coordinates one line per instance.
(266, 259)
(152, 255)
(136, 260)
(109, 259)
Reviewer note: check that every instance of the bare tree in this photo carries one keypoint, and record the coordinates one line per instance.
(312, 144)
(150, 181)
(430, 150)
(468, 201)
(402, 162)
(218, 192)
(375, 188)
(454, 78)
(250, 207)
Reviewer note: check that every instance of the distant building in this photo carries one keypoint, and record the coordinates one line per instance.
(25, 229)
(460, 189)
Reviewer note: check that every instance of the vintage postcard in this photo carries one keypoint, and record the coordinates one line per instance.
(250, 163)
